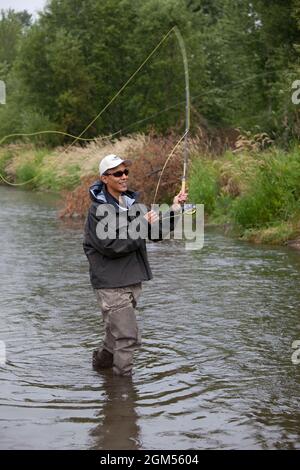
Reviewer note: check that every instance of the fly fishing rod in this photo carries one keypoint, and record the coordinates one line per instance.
(187, 208)
(187, 105)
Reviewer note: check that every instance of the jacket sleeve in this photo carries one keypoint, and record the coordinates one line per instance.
(113, 247)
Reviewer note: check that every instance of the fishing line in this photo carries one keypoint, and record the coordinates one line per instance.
(100, 113)
(123, 87)
(165, 164)
(188, 99)
(140, 121)
(193, 99)
(38, 133)
(186, 207)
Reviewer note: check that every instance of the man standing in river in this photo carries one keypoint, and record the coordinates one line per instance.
(118, 261)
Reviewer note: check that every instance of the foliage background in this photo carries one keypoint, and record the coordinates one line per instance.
(62, 68)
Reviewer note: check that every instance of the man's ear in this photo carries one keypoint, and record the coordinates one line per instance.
(103, 178)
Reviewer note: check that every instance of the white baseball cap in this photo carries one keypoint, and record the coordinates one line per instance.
(111, 161)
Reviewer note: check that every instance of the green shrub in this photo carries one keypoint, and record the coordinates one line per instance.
(48, 180)
(222, 209)
(202, 185)
(5, 157)
(72, 178)
(27, 172)
(31, 168)
(51, 180)
(273, 193)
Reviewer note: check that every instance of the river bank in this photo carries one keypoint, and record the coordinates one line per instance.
(253, 194)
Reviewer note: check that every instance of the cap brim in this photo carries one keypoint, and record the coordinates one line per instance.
(117, 163)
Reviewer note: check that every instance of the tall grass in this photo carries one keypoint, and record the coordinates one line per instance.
(5, 157)
(203, 183)
(56, 169)
(255, 192)
(273, 192)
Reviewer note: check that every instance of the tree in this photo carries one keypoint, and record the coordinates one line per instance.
(12, 27)
(79, 53)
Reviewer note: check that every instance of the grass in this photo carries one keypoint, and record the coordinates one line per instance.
(273, 192)
(56, 169)
(257, 193)
(203, 183)
(5, 156)
(276, 234)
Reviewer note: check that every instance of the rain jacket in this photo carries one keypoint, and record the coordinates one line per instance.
(115, 262)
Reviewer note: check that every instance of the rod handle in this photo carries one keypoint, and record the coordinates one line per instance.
(183, 185)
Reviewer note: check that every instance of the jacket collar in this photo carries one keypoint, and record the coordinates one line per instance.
(99, 193)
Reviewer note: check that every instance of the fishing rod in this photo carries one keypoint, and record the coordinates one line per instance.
(187, 115)
(79, 137)
(187, 106)
(186, 208)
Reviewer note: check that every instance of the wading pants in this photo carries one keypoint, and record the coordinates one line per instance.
(121, 329)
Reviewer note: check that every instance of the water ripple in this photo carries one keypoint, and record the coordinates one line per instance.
(214, 369)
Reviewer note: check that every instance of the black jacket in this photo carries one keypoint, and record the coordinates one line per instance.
(115, 262)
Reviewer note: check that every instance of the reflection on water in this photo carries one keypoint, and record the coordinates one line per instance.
(214, 369)
(118, 420)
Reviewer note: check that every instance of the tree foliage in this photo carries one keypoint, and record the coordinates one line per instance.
(64, 67)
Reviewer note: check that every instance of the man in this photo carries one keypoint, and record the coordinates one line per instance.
(118, 262)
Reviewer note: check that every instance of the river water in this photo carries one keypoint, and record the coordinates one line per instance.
(214, 370)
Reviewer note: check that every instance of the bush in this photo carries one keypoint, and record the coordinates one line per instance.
(148, 166)
(144, 175)
(273, 192)
(5, 157)
(203, 183)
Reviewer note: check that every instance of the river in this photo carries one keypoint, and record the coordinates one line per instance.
(215, 367)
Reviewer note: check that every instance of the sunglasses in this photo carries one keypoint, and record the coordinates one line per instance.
(118, 174)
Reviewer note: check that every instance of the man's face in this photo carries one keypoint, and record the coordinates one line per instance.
(116, 184)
